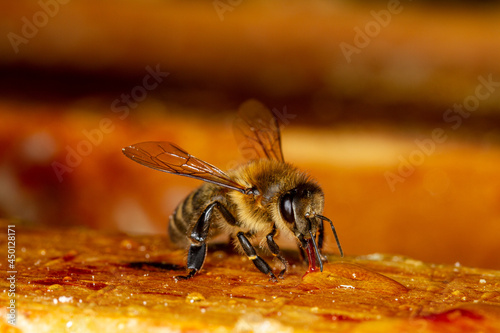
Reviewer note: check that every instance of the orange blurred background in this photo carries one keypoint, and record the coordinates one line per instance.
(393, 107)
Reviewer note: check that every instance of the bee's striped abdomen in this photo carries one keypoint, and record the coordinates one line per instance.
(181, 221)
(188, 212)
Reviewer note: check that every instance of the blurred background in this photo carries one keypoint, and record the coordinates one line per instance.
(393, 106)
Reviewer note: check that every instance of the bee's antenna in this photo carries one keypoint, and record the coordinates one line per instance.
(334, 233)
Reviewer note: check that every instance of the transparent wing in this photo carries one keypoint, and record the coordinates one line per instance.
(168, 157)
(257, 132)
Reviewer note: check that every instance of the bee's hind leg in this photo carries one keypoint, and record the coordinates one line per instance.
(198, 249)
(196, 258)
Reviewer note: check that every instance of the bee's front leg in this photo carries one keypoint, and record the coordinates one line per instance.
(252, 255)
(275, 250)
(321, 235)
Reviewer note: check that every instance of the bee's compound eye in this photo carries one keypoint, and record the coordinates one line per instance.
(286, 207)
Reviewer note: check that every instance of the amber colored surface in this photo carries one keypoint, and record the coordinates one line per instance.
(85, 280)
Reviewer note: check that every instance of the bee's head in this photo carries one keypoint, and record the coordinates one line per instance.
(298, 207)
(301, 209)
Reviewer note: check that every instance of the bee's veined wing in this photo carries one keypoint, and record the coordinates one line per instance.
(168, 157)
(257, 132)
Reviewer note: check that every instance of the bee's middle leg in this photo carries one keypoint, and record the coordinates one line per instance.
(252, 255)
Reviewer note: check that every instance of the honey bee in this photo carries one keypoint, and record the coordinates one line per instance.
(266, 196)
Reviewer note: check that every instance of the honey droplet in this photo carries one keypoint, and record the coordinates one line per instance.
(55, 287)
(195, 297)
(128, 244)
